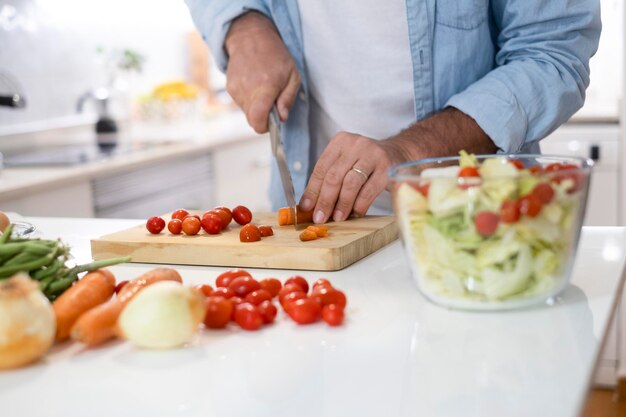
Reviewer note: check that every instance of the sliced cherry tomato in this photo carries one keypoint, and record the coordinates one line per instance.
(180, 214)
(175, 226)
(469, 172)
(517, 163)
(304, 311)
(212, 223)
(268, 311)
(423, 187)
(271, 285)
(191, 225)
(155, 225)
(558, 166)
(205, 289)
(536, 169)
(218, 312)
(332, 314)
(242, 215)
(298, 280)
(509, 212)
(325, 296)
(224, 292)
(530, 205)
(286, 301)
(225, 214)
(225, 278)
(266, 231)
(486, 223)
(544, 192)
(572, 174)
(249, 233)
(120, 285)
(242, 286)
(257, 297)
(248, 316)
(322, 282)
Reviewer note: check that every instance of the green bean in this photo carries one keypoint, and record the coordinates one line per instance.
(58, 286)
(51, 269)
(7, 271)
(92, 266)
(6, 234)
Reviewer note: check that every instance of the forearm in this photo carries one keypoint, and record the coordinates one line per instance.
(443, 134)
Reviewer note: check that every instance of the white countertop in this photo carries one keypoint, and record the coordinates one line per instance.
(396, 354)
(223, 130)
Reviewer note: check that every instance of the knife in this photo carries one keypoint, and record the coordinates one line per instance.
(281, 160)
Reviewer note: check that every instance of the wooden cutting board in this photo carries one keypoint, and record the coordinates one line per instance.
(346, 243)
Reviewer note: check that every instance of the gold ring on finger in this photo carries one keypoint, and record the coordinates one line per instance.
(362, 173)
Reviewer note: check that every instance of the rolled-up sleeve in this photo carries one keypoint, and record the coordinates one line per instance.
(541, 72)
(213, 18)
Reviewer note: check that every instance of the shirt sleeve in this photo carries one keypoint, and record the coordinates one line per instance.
(541, 72)
(213, 18)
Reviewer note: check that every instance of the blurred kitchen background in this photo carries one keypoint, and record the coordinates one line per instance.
(115, 109)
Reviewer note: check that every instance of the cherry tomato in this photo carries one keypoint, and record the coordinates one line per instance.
(225, 278)
(486, 223)
(258, 296)
(509, 212)
(180, 214)
(298, 280)
(530, 205)
(544, 192)
(266, 231)
(325, 296)
(218, 312)
(422, 187)
(304, 311)
(236, 301)
(120, 285)
(225, 214)
(248, 316)
(536, 169)
(191, 225)
(211, 223)
(155, 225)
(271, 285)
(469, 172)
(242, 215)
(205, 289)
(224, 292)
(268, 311)
(288, 288)
(175, 226)
(290, 298)
(322, 282)
(517, 163)
(195, 216)
(242, 286)
(249, 233)
(332, 314)
(569, 172)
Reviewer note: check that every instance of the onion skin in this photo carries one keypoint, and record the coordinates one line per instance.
(27, 322)
(164, 315)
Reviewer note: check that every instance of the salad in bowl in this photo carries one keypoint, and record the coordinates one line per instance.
(491, 232)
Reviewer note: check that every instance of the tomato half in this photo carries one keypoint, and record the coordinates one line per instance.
(530, 205)
(509, 212)
(544, 192)
(249, 233)
(266, 230)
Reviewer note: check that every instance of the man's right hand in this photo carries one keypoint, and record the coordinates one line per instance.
(260, 69)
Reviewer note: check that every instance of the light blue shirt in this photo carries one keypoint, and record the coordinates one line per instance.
(518, 67)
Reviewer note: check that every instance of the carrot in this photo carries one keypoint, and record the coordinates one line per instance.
(98, 324)
(308, 234)
(320, 231)
(93, 289)
(286, 216)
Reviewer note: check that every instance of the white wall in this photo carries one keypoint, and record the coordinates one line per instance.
(49, 47)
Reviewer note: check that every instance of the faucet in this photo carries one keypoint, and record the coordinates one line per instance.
(14, 99)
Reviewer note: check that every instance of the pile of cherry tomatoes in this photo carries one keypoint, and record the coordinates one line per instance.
(239, 297)
(212, 222)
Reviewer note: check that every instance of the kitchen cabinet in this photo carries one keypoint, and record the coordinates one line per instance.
(69, 200)
(242, 174)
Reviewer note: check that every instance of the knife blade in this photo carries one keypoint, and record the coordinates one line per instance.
(281, 160)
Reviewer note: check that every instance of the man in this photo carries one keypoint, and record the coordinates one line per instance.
(364, 84)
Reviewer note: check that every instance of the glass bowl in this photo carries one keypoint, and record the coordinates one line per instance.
(491, 232)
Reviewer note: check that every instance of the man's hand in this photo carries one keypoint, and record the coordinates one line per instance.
(352, 170)
(260, 70)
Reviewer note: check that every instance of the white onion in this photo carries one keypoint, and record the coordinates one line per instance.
(162, 315)
(27, 323)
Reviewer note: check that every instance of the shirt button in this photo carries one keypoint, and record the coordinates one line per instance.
(302, 95)
(297, 166)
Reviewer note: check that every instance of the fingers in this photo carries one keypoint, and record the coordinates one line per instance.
(258, 107)
(349, 175)
(287, 98)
